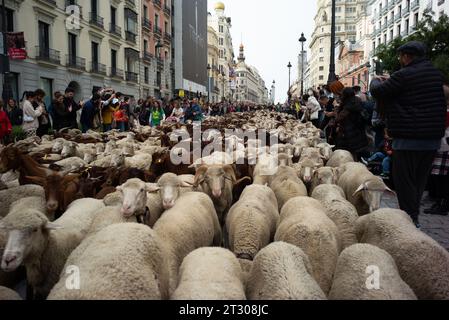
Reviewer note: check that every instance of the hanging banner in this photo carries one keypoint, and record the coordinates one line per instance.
(16, 45)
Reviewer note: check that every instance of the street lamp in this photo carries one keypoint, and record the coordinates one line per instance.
(7, 91)
(332, 75)
(159, 45)
(208, 87)
(289, 66)
(302, 40)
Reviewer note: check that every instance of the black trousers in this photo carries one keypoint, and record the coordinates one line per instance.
(411, 170)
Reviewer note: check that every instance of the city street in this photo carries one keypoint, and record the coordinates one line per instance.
(234, 150)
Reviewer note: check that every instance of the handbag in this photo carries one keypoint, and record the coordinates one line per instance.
(27, 118)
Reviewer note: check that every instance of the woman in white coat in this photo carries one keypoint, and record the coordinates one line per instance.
(313, 108)
(30, 115)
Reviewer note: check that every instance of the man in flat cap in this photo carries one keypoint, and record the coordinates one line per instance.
(415, 111)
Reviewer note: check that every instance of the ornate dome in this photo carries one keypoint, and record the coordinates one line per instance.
(219, 6)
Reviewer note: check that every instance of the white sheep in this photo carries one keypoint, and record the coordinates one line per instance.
(305, 169)
(71, 165)
(363, 189)
(339, 210)
(323, 175)
(210, 274)
(7, 294)
(304, 223)
(356, 264)
(43, 246)
(286, 185)
(339, 158)
(191, 224)
(121, 262)
(326, 150)
(115, 159)
(141, 161)
(132, 203)
(252, 221)
(9, 196)
(217, 181)
(171, 187)
(266, 167)
(423, 264)
(37, 203)
(282, 271)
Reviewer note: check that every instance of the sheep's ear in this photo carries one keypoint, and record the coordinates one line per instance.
(186, 184)
(388, 190)
(119, 188)
(230, 173)
(363, 187)
(200, 176)
(152, 188)
(52, 226)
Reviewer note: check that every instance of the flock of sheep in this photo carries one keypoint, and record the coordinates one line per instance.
(294, 220)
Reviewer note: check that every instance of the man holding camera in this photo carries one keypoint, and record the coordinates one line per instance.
(415, 114)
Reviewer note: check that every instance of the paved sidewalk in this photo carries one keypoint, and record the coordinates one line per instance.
(436, 227)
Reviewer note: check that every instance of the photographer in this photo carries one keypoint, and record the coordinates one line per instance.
(90, 109)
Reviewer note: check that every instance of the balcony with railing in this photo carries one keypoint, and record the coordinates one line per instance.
(167, 9)
(157, 31)
(384, 10)
(44, 54)
(76, 63)
(49, 2)
(167, 37)
(96, 20)
(115, 29)
(404, 33)
(157, 3)
(390, 22)
(98, 68)
(148, 57)
(131, 36)
(397, 17)
(69, 3)
(391, 4)
(414, 5)
(116, 73)
(132, 2)
(146, 24)
(131, 76)
(406, 12)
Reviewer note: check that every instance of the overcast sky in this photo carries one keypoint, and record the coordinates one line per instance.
(270, 31)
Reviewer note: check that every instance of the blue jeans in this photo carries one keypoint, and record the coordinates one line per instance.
(121, 126)
(386, 161)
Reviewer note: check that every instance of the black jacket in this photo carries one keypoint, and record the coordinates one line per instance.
(351, 126)
(16, 116)
(415, 107)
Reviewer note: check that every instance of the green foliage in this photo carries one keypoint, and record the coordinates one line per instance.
(433, 33)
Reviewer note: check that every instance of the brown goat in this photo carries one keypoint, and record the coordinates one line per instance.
(60, 191)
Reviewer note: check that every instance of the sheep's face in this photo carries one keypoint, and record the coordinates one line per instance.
(68, 150)
(117, 159)
(213, 179)
(324, 176)
(90, 156)
(169, 194)
(25, 240)
(57, 146)
(326, 151)
(134, 194)
(372, 192)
